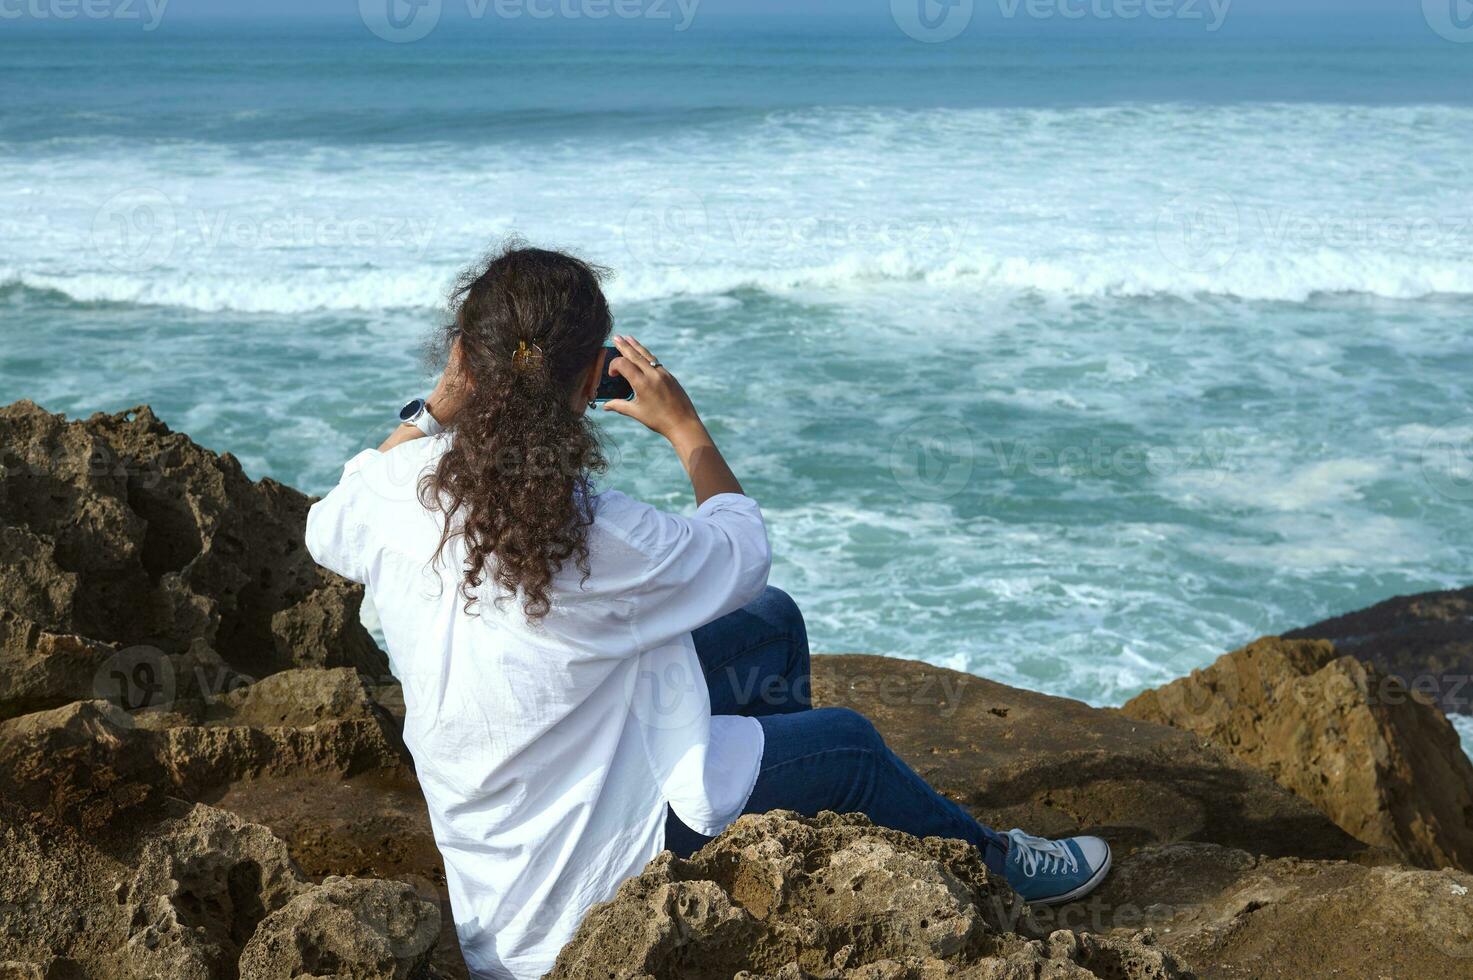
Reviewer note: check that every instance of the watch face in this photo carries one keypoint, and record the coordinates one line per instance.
(408, 412)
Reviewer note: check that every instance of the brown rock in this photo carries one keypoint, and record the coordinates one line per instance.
(1384, 765)
(35, 587)
(298, 721)
(85, 765)
(120, 531)
(371, 825)
(345, 927)
(204, 882)
(296, 698)
(44, 670)
(16, 970)
(1058, 767)
(1238, 917)
(56, 896)
(141, 572)
(51, 968)
(783, 896)
(89, 762)
(1426, 640)
(197, 895)
(179, 900)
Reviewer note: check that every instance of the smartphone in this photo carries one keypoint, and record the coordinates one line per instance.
(612, 388)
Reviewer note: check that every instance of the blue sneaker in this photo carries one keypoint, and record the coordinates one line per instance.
(1051, 872)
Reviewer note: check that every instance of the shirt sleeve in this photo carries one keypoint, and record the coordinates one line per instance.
(700, 568)
(337, 528)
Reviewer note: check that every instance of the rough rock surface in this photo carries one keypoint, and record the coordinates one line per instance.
(1235, 916)
(79, 765)
(1383, 764)
(1426, 640)
(1058, 767)
(203, 884)
(180, 897)
(781, 895)
(145, 583)
(194, 729)
(86, 763)
(121, 532)
(335, 795)
(178, 901)
(345, 927)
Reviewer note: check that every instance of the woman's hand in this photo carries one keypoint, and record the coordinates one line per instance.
(450, 395)
(659, 400)
(660, 403)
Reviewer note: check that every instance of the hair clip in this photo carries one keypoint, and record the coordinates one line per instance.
(525, 356)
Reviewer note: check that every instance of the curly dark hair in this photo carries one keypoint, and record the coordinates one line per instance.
(515, 481)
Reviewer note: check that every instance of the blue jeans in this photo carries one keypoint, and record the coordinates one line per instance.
(756, 664)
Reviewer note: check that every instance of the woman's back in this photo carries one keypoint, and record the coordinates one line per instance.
(547, 749)
(557, 705)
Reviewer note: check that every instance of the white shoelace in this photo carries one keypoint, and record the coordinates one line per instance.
(1036, 852)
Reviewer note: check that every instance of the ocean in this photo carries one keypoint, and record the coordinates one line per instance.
(1069, 360)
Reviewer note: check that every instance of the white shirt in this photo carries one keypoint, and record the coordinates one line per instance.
(547, 753)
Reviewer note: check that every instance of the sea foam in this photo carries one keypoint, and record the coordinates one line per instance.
(1137, 202)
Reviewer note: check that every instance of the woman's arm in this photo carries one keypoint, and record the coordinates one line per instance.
(699, 568)
(338, 525)
(662, 405)
(703, 462)
(444, 403)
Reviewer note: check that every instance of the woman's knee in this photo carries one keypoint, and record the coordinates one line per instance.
(853, 729)
(783, 614)
(776, 607)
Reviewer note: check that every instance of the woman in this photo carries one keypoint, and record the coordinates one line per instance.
(588, 680)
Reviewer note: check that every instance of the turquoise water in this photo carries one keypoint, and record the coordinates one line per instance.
(1069, 363)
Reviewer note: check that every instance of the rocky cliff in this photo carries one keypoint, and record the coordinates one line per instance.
(201, 776)
(1375, 757)
(1426, 641)
(120, 536)
(782, 896)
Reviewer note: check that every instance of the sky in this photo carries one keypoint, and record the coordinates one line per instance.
(802, 9)
(1369, 20)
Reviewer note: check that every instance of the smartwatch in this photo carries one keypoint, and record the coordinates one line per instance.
(417, 414)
